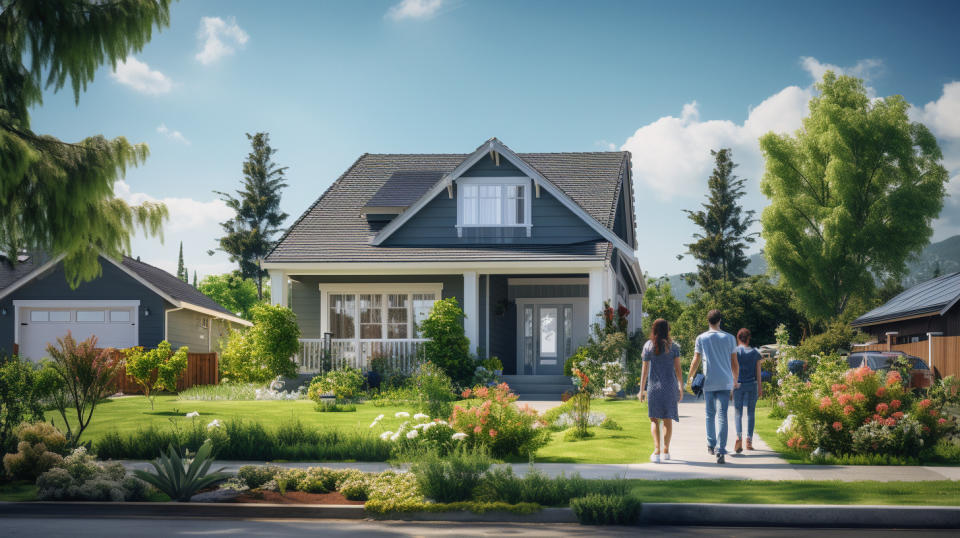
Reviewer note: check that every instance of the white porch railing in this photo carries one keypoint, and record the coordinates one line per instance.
(401, 355)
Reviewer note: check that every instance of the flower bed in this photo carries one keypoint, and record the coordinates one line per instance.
(862, 413)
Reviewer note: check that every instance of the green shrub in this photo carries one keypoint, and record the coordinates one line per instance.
(248, 440)
(452, 477)
(221, 392)
(255, 476)
(38, 451)
(610, 424)
(434, 390)
(20, 397)
(335, 407)
(393, 396)
(345, 385)
(502, 484)
(265, 350)
(355, 488)
(836, 339)
(157, 368)
(596, 509)
(80, 477)
(181, 478)
(504, 428)
(448, 346)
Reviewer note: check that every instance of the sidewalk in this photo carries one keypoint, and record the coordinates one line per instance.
(689, 460)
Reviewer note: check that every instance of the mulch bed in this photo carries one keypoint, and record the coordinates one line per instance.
(293, 497)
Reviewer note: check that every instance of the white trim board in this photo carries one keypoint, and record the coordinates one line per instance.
(548, 281)
(539, 182)
(77, 304)
(433, 268)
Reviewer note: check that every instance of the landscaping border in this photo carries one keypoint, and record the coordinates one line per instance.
(740, 515)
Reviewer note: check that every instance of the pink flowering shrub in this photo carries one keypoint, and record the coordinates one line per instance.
(491, 418)
(860, 411)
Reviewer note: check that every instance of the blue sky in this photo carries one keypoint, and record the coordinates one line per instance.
(332, 80)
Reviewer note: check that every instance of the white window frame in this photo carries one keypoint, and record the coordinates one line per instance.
(503, 182)
(408, 289)
(20, 304)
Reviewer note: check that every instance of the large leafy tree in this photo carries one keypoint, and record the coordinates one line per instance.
(852, 196)
(55, 195)
(249, 235)
(659, 302)
(232, 291)
(719, 246)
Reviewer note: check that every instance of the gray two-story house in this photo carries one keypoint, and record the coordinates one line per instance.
(532, 245)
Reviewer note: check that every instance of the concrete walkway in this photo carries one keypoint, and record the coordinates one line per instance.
(689, 460)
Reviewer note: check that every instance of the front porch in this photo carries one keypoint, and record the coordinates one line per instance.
(532, 320)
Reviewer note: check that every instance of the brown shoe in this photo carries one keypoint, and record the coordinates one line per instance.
(749, 444)
(738, 447)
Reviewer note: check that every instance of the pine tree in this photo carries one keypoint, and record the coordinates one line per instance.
(249, 235)
(194, 278)
(181, 269)
(54, 195)
(719, 248)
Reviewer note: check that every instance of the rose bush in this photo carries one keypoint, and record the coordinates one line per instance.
(861, 412)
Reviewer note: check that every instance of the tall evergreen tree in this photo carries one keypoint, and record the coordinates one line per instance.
(249, 235)
(55, 195)
(194, 278)
(181, 269)
(719, 248)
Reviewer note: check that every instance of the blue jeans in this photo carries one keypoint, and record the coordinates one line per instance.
(723, 398)
(746, 395)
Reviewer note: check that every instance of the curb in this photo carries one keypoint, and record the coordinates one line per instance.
(801, 515)
(686, 514)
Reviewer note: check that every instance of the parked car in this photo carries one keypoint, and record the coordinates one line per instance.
(921, 376)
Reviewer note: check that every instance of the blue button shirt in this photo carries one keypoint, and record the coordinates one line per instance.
(715, 349)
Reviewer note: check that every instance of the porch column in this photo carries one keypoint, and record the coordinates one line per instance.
(930, 348)
(278, 287)
(471, 307)
(595, 290)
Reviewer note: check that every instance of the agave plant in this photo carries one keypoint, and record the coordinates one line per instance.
(181, 478)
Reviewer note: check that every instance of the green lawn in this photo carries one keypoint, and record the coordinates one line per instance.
(942, 493)
(20, 490)
(631, 445)
(133, 412)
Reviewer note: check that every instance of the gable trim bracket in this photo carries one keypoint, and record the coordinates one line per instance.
(500, 149)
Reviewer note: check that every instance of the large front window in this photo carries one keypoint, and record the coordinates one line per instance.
(377, 316)
(490, 202)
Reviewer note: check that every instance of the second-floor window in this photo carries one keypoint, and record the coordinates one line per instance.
(494, 202)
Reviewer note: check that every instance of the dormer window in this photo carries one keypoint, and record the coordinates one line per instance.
(493, 202)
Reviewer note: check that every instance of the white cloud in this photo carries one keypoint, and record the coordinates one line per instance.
(672, 154)
(943, 115)
(605, 145)
(194, 222)
(867, 69)
(176, 136)
(138, 75)
(414, 9)
(219, 37)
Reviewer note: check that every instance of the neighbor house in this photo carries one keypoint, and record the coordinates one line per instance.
(532, 245)
(130, 304)
(932, 307)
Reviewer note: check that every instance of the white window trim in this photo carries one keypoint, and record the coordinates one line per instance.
(503, 181)
(409, 289)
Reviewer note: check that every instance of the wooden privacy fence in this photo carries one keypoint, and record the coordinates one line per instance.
(946, 352)
(202, 369)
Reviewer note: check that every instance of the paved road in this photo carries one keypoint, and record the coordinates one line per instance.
(148, 528)
(691, 461)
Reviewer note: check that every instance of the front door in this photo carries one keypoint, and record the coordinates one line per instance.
(546, 338)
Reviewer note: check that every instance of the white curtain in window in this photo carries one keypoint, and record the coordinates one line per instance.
(490, 204)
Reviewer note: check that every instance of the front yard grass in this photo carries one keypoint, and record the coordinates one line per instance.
(632, 444)
(128, 414)
(939, 493)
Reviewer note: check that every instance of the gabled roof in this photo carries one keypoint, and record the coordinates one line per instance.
(333, 230)
(173, 290)
(933, 297)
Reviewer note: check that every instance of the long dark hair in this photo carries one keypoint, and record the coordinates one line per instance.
(660, 335)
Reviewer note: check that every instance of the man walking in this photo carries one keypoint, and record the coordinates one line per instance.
(718, 350)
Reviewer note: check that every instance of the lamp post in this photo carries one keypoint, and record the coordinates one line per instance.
(328, 348)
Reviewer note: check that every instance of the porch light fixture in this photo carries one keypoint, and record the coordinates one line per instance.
(146, 312)
(3, 311)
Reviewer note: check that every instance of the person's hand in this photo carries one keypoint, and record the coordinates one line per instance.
(642, 396)
(680, 390)
(759, 391)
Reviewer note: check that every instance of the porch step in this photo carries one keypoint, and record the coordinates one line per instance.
(539, 387)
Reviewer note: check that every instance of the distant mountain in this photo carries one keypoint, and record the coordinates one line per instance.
(943, 256)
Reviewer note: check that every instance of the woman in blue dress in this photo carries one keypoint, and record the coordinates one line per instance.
(662, 380)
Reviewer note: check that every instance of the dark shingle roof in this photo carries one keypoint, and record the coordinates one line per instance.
(930, 297)
(172, 286)
(333, 230)
(160, 279)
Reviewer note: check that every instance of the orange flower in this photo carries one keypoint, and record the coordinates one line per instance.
(838, 425)
(493, 433)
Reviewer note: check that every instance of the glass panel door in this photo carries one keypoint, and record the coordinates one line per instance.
(548, 334)
(528, 342)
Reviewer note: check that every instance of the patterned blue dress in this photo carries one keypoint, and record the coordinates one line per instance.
(663, 391)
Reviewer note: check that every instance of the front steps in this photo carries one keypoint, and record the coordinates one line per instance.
(539, 387)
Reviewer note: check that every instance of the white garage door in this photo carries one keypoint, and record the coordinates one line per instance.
(114, 325)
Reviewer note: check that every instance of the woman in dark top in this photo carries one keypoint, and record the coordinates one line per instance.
(750, 388)
(661, 366)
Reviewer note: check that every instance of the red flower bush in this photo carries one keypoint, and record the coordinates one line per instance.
(491, 418)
